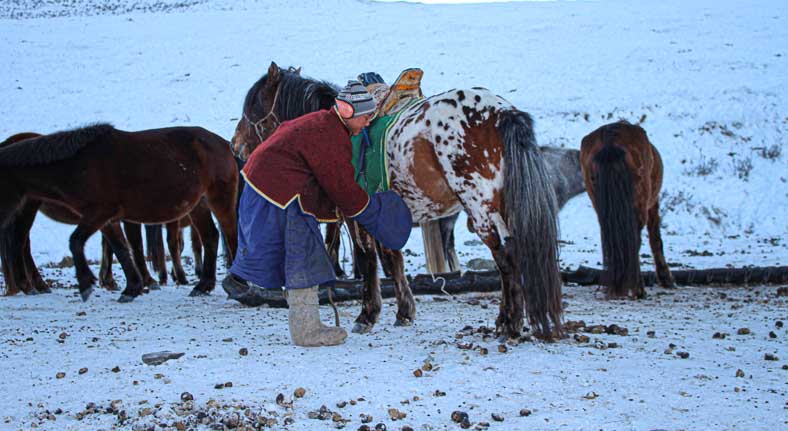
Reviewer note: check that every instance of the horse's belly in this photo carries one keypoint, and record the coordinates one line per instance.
(418, 178)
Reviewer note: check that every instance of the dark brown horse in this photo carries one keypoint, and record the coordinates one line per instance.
(460, 150)
(105, 175)
(623, 177)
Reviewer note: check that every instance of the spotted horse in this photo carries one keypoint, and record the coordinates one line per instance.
(466, 149)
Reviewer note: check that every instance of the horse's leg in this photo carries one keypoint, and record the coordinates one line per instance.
(333, 231)
(202, 221)
(134, 236)
(194, 234)
(433, 246)
(106, 279)
(155, 242)
(76, 244)
(14, 270)
(30, 277)
(406, 305)
(117, 241)
(664, 276)
(33, 275)
(367, 260)
(174, 245)
(447, 238)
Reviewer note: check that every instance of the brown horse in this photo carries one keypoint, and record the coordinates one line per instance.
(105, 175)
(623, 177)
(460, 150)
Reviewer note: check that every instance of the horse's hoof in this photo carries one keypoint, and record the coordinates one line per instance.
(31, 292)
(154, 286)
(362, 328)
(197, 292)
(403, 322)
(85, 294)
(44, 290)
(111, 287)
(125, 299)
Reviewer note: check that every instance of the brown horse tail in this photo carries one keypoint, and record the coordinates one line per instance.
(155, 242)
(615, 205)
(531, 216)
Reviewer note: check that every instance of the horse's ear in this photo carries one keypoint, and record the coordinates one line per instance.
(273, 73)
(297, 70)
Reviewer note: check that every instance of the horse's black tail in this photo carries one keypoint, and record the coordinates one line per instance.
(614, 197)
(155, 241)
(531, 216)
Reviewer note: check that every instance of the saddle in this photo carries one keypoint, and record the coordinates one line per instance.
(394, 98)
(369, 147)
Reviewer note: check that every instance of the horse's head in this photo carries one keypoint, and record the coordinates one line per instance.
(280, 95)
(259, 118)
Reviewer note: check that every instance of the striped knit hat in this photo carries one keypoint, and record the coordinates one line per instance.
(359, 99)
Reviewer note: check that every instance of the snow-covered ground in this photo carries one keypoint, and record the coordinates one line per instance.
(707, 80)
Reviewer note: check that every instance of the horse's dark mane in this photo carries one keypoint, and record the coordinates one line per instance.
(52, 148)
(298, 95)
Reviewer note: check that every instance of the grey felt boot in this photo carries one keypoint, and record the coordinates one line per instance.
(306, 330)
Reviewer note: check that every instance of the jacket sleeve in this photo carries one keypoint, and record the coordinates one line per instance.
(387, 219)
(329, 158)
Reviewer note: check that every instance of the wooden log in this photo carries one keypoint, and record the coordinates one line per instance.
(489, 281)
(586, 276)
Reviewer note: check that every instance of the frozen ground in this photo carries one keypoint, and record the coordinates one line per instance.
(705, 78)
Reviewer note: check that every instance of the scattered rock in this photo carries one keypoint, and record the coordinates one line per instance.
(342, 404)
(591, 396)
(243, 352)
(380, 427)
(417, 372)
(60, 375)
(483, 351)
(83, 370)
(458, 416)
(770, 357)
(719, 335)
(396, 415)
(299, 392)
(580, 338)
(739, 373)
(772, 334)
(743, 331)
(497, 417)
(439, 393)
(502, 348)
(365, 418)
(525, 412)
(158, 358)
(683, 355)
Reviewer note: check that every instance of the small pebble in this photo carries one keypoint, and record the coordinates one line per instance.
(525, 412)
(770, 357)
(299, 392)
(187, 397)
(743, 331)
(60, 375)
(497, 417)
(243, 352)
(83, 370)
(417, 372)
(683, 355)
(739, 373)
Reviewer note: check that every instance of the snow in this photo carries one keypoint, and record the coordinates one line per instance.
(707, 78)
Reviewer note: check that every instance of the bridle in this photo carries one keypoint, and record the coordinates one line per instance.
(259, 129)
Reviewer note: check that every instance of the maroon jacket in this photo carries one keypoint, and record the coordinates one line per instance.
(308, 158)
